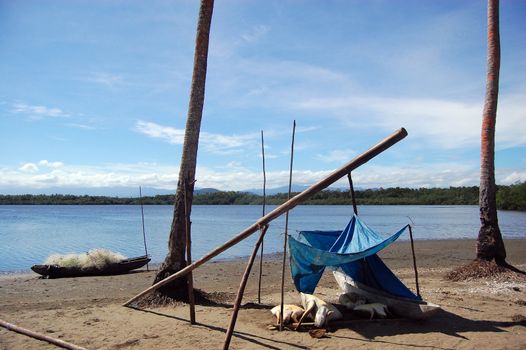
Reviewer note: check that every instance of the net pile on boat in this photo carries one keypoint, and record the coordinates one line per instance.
(95, 258)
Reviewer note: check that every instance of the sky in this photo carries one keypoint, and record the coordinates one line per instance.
(94, 94)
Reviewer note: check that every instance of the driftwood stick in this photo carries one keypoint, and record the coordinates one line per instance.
(278, 211)
(285, 236)
(39, 336)
(241, 290)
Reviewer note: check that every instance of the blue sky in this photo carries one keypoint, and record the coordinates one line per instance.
(94, 94)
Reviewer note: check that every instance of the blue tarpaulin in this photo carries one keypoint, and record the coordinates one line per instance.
(353, 250)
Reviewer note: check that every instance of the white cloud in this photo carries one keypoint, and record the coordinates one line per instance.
(166, 133)
(234, 176)
(80, 126)
(213, 143)
(336, 156)
(255, 33)
(445, 123)
(106, 79)
(49, 164)
(33, 168)
(279, 84)
(227, 144)
(29, 168)
(509, 178)
(29, 176)
(418, 175)
(39, 112)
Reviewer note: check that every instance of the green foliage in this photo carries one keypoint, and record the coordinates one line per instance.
(508, 197)
(512, 197)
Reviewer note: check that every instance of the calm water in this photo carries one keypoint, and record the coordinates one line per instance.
(28, 234)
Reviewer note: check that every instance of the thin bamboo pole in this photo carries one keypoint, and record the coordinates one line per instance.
(353, 197)
(143, 231)
(39, 336)
(285, 236)
(263, 214)
(414, 260)
(242, 286)
(278, 211)
(190, 278)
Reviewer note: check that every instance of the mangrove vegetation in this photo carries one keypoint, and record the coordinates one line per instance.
(511, 197)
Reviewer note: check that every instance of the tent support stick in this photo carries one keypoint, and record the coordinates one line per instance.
(260, 271)
(353, 197)
(263, 214)
(143, 231)
(280, 210)
(190, 278)
(241, 290)
(285, 236)
(414, 260)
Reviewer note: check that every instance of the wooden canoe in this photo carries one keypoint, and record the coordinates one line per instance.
(403, 307)
(123, 266)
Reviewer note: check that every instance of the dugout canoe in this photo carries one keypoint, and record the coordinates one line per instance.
(123, 266)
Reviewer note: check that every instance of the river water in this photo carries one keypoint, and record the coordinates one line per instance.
(28, 234)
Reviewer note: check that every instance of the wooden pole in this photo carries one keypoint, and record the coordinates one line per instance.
(278, 211)
(143, 231)
(39, 336)
(285, 237)
(263, 214)
(353, 198)
(190, 278)
(414, 260)
(241, 290)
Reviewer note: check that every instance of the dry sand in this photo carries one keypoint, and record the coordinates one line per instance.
(87, 311)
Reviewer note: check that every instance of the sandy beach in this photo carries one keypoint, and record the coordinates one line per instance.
(87, 311)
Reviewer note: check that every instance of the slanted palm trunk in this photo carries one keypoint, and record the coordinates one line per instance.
(176, 259)
(489, 244)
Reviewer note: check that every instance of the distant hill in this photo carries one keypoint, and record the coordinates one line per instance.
(205, 190)
(276, 190)
(295, 188)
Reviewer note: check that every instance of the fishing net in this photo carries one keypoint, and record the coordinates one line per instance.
(98, 258)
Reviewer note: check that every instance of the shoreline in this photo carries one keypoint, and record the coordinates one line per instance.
(87, 311)
(389, 253)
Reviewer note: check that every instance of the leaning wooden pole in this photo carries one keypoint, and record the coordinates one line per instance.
(278, 211)
(242, 286)
(39, 336)
(286, 235)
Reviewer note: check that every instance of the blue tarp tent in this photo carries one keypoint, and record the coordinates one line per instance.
(353, 250)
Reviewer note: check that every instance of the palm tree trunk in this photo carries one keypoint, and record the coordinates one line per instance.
(489, 244)
(175, 259)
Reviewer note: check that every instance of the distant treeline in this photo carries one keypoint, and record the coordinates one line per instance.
(508, 197)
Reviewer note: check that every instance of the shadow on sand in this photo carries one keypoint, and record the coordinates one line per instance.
(443, 322)
(264, 342)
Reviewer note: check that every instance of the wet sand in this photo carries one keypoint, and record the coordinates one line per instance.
(87, 311)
